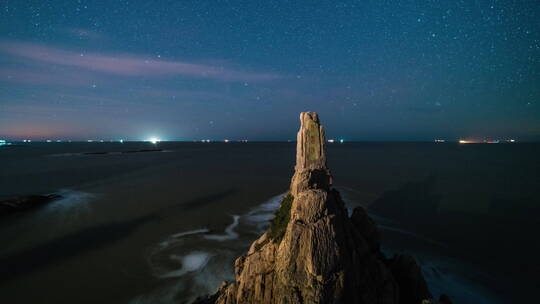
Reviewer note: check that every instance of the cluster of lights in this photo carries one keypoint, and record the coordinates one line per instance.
(154, 140)
(333, 141)
(495, 141)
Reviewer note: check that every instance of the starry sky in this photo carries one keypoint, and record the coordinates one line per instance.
(187, 70)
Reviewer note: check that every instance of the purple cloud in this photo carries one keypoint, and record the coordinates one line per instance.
(40, 77)
(128, 65)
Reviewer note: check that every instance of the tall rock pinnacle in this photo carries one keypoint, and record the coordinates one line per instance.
(310, 170)
(313, 252)
(310, 147)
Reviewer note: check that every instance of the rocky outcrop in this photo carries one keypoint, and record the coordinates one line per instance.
(409, 278)
(314, 252)
(21, 203)
(310, 170)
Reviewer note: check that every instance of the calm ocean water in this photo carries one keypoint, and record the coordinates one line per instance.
(165, 226)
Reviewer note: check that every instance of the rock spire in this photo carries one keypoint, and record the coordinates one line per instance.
(321, 255)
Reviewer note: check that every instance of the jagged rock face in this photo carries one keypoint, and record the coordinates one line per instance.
(324, 256)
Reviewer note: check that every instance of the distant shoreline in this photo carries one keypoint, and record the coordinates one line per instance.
(27, 202)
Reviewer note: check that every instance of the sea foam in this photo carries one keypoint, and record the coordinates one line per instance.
(191, 262)
(230, 234)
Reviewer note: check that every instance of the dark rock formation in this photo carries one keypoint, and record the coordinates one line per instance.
(320, 255)
(408, 276)
(444, 299)
(16, 204)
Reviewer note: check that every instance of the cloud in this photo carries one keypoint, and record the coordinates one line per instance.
(41, 77)
(129, 65)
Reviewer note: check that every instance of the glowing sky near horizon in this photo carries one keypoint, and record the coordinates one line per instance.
(183, 70)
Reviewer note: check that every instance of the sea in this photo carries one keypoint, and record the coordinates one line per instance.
(162, 223)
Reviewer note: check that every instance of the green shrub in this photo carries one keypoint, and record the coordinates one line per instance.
(278, 225)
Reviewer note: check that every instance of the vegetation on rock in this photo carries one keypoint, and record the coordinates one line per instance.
(278, 225)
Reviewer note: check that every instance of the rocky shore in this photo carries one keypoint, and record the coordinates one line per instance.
(22, 203)
(313, 252)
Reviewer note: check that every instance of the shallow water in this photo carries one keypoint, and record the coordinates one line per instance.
(163, 227)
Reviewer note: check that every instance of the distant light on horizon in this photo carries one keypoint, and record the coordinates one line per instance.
(475, 141)
(154, 140)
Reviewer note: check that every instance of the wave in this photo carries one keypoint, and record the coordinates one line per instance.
(261, 215)
(230, 234)
(70, 198)
(203, 269)
(191, 232)
(190, 262)
(464, 282)
(457, 278)
(175, 238)
(68, 209)
(200, 274)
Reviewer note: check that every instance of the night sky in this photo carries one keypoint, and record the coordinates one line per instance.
(187, 70)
